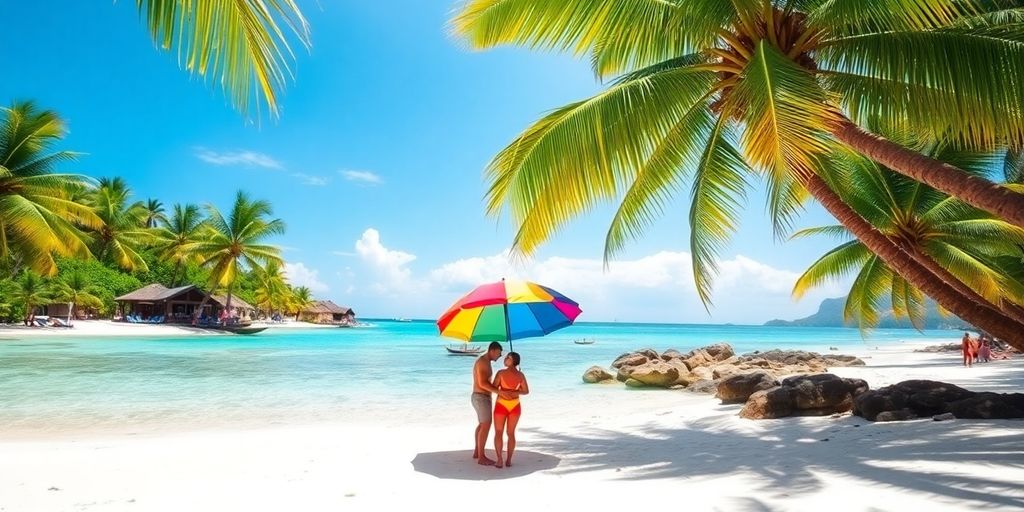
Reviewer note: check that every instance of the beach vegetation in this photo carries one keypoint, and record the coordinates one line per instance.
(241, 46)
(724, 95)
(959, 243)
(39, 218)
(237, 243)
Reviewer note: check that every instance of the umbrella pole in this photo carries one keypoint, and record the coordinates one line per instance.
(508, 331)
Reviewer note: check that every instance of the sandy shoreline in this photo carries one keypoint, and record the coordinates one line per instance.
(626, 448)
(108, 328)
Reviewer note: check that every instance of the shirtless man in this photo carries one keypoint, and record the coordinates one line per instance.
(967, 347)
(481, 399)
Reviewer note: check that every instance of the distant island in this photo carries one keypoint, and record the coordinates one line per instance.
(830, 314)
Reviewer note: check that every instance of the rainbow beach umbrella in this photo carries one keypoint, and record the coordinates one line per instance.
(506, 311)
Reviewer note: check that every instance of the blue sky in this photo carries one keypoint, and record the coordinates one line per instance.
(375, 163)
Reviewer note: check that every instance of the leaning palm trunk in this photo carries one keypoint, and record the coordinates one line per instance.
(983, 317)
(227, 305)
(199, 309)
(1005, 307)
(975, 191)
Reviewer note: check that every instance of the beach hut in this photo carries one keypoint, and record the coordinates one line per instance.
(327, 312)
(176, 305)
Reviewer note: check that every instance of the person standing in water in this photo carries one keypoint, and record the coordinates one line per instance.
(507, 411)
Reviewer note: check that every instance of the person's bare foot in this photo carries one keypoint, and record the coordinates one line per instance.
(476, 454)
(498, 464)
(508, 463)
(484, 461)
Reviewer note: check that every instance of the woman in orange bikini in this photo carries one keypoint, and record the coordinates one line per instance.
(506, 412)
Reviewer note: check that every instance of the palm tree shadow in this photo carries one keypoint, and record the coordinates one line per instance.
(787, 455)
(459, 465)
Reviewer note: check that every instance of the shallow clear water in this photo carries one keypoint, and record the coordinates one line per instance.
(390, 372)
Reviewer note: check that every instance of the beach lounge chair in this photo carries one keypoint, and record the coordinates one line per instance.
(59, 322)
(42, 321)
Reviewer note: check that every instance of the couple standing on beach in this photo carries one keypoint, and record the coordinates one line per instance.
(509, 384)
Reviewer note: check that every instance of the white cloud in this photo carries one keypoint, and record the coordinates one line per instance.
(244, 158)
(315, 181)
(299, 274)
(389, 267)
(656, 287)
(365, 177)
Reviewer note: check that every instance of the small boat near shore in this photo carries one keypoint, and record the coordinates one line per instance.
(467, 350)
(237, 329)
(584, 341)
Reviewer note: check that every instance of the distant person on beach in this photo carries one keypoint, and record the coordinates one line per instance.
(481, 400)
(506, 411)
(985, 352)
(965, 347)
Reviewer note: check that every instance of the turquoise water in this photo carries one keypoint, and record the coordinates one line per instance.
(390, 372)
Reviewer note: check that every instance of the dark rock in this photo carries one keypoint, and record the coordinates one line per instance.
(596, 374)
(919, 397)
(823, 394)
(898, 415)
(946, 416)
(766, 404)
(738, 388)
(989, 406)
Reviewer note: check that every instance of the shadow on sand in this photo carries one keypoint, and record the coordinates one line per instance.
(459, 465)
(787, 457)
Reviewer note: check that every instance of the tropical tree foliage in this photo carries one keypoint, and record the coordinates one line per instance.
(237, 242)
(177, 238)
(715, 93)
(68, 238)
(31, 291)
(123, 233)
(38, 218)
(300, 299)
(241, 45)
(76, 290)
(963, 242)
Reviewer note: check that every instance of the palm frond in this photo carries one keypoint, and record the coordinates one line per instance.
(238, 44)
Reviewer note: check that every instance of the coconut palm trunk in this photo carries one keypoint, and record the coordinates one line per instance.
(1007, 308)
(981, 316)
(199, 309)
(975, 191)
(227, 303)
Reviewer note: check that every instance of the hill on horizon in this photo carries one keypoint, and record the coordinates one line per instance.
(830, 314)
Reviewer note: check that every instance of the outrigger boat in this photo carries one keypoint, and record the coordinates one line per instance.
(584, 341)
(464, 350)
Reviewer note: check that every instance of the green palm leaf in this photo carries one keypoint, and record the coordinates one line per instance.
(238, 44)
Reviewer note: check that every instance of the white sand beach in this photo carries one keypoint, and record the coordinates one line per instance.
(108, 328)
(630, 449)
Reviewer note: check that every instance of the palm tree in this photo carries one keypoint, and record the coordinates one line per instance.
(31, 291)
(955, 241)
(239, 45)
(272, 291)
(235, 243)
(155, 212)
(123, 233)
(76, 290)
(178, 237)
(946, 68)
(301, 298)
(713, 90)
(37, 211)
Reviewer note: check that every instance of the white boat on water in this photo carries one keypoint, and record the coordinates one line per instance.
(464, 350)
